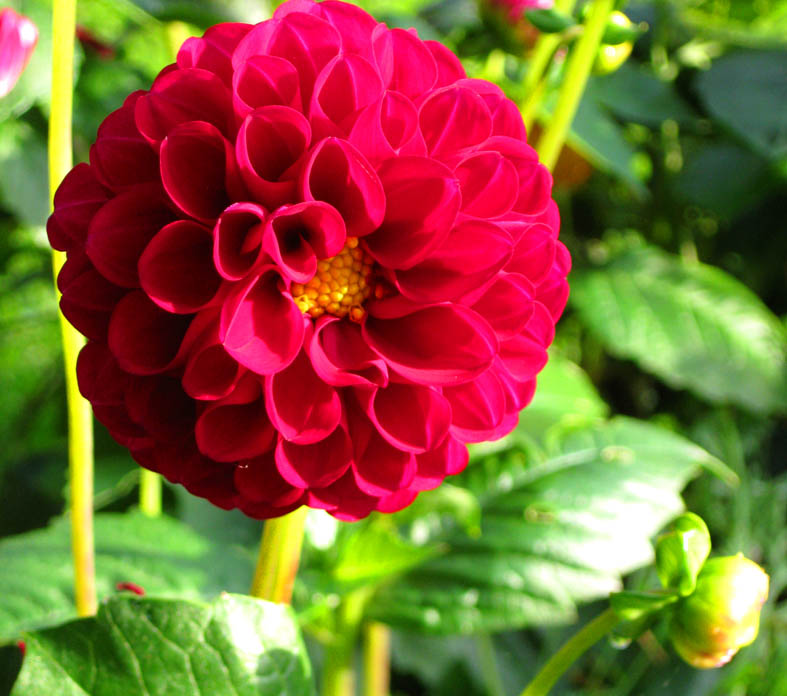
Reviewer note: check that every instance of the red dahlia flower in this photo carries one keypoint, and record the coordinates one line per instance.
(18, 38)
(312, 262)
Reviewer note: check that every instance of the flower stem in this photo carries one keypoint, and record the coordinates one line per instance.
(338, 674)
(489, 671)
(568, 654)
(376, 659)
(280, 552)
(80, 418)
(576, 76)
(149, 492)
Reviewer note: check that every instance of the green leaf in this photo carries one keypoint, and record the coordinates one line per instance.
(161, 555)
(681, 553)
(632, 606)
(550, 21)
(551, 531)
(692, 325)
(234, 645)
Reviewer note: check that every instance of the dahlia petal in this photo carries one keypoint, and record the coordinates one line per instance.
(100, 379)
(454, 118)
(449, 67)
(437, 345)
(213, 51)
(337, 173)
(302, 407)
(405, 63)
(354, 25)
(121, 156)
(297, 235)
(121, 230)
(143, 337)
(396, 501)
(507, 304)
(468, 259)
(305, 40)
(341, 357)
(176, 269)
(314, 465)
(478, 408)
(525, 355)
(534, 253)
(259, 481)
(553, 294)
(343, 499)
(506, 117)
(210, 372)
(380, 468)
(489, 183)
(270, 141)
(260, 327)
(88, 299)
(183, 95)
(423, 199)
(535, 181)
(346, 85)
(161, 407)
(237, 240)
(449, 457)
(18, 38)
(237, 426)
(265, 81)
(410, 417)
(518, 393)
(198, 170)
(77, 200)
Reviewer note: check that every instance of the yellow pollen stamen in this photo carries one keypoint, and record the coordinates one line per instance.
(340, 287)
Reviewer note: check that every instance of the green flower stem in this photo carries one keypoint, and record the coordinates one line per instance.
(338, 674)
(535, 80)
(149, 492)
(376, 659)
(580, 62)
(486, 654)
(570, 652)
(280, 553)
(80, 418)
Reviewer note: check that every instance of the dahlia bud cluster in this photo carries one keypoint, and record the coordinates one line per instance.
(312, 262)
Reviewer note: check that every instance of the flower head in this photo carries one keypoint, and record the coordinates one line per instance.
(722, 614)
(312, 262)
(18, 38)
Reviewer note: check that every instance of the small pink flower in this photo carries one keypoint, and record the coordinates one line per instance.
(514, 9)
(313, 261)
(18, 38)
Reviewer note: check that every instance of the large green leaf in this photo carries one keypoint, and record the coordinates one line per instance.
(554, 533)
(234, 645)
(690, 324)
(161, 555)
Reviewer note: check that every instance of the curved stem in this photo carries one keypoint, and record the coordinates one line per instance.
(578, 69)
(80, 418)
(149, 492)
(280, 552)
(376, 659)
(570, 652)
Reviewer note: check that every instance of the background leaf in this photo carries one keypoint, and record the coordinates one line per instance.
(235, 645)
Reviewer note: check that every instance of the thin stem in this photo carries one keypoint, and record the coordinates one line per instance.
(376, 659)
(489, 671)
(150, 492)
(280, 552)
(570, 652)
(578, 69)
(80, 418)
(338, 674)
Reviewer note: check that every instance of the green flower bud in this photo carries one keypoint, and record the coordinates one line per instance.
(722, 614)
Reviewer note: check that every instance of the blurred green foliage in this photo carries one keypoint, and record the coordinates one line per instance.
(677, 227)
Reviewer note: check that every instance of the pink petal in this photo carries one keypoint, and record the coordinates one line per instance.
(468, 259)
(518, 393)
(213, 51)
(411, 417)
(525, 355)
(315, 465)
(423, 199)
(210, 372)
(236, 427)
(270, 141)
(396, 501)
(535, 181)
(237, 240)
(478, 408)
(449, 457)
(143, 337)
(506, 117)
(77, 200)
(534, 253)
(405, 63)
(337, 173)
(198, 170)
(121, 230)
(259, 481)
(266, 81)
(507, 304)
(354, 25)
(180, 96)
(100, 379)
(260, 327)
(454, 118)
(161, 406)
(489, 183)
(449, 67)
(297, 235)
(343, 499)
(341, 357)
(302, 407)
(436, 345)
(18, 38)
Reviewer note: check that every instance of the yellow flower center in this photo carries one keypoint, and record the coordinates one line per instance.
(340, 286)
